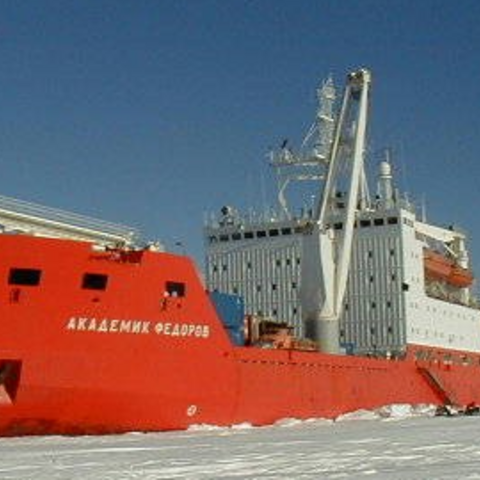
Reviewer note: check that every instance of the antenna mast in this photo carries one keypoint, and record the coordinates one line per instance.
(310, 162)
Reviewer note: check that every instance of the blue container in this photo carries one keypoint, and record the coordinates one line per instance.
(231, 310)
(237, 336)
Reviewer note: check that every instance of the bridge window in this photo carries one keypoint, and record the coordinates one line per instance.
(95, 281)
(365, 223)
(24, 276)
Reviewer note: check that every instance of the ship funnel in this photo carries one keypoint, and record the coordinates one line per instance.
(385, 184)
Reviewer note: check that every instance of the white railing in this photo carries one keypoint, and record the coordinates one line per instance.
(26, 217)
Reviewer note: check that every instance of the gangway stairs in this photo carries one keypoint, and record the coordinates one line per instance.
(437, 385)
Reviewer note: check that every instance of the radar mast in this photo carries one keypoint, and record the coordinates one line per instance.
(310, 162)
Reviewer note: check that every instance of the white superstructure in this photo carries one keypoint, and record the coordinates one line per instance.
(259, 260)
(408, 280)
(18, 216)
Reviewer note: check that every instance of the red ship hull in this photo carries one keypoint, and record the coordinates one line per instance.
(147, 353)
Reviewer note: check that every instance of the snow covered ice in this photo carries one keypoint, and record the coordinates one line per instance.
(397, 443)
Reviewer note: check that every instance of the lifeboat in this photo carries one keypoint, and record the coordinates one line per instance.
(440, 268)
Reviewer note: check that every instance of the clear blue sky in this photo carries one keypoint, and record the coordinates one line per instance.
(152, 113)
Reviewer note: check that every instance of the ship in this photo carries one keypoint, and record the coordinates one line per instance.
(103, 333)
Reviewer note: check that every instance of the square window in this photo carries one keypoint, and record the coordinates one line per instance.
(94, 281)
(175, 289)
(24, 276)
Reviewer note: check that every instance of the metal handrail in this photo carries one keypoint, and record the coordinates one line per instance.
(41, 216)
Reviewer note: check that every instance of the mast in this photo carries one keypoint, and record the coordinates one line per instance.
(310, 162)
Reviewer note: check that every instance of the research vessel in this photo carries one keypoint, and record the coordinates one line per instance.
(101, 334)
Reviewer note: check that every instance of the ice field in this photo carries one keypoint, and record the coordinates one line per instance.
(397, 443)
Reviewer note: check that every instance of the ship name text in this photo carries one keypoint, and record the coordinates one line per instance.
(139, 327)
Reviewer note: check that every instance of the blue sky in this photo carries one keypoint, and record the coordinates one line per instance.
(152, 113)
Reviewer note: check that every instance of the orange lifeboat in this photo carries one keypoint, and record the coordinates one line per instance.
(440, 268)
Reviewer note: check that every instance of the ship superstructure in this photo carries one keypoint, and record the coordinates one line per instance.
(258, 255)
(259, 261)
(409, 282)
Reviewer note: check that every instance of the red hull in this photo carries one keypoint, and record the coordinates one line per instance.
(129, 357)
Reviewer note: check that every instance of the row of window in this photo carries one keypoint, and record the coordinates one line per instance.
(369, 222)
(90, 281)
(391, 251)
(373, 331)
(31, 277)
(373, 304)
(447, 358)
(249, 235)
(275, 286)
(273, 312)
(278, 263)
(297, 261)
(275, 232)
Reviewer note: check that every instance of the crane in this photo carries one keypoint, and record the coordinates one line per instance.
(327, 245)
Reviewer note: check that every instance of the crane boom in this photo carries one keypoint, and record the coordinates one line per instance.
(327, 247)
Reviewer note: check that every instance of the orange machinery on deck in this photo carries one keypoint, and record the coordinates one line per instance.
(113, 341)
